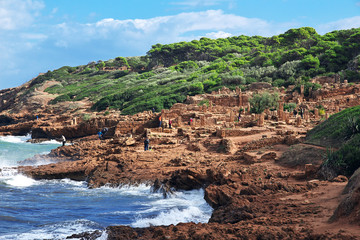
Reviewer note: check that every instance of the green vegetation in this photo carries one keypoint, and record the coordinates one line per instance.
(170, 72)
(342, 131)
(260, 102)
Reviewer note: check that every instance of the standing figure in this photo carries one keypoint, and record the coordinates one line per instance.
(103, 132)
(63, 139)
(294, 112)
(239, 117)
(160, 121)
(100, 135)
(170, 122)
(146, 144)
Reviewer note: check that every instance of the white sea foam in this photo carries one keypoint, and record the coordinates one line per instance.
(50, 142)
(58, 231)
(187, 206)
(20, 181)
(10, 176)
(15, 139)
(174, 216)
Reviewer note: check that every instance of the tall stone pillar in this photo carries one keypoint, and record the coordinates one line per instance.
(306, 115)
(281, 111)
(202, 121)
(261, 120)
(302, 90)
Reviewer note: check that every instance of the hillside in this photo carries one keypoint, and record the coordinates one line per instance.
(168, 73)
(341, 135)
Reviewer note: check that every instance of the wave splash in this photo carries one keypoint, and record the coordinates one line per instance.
(11, 177)
(58, 231)
(188, 206)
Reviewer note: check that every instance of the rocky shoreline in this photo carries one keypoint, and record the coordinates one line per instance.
(258, 174)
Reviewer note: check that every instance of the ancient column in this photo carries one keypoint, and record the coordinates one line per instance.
(306, 115)
(202, 121)
(261, 120)
(302, 90)
(281, 111)
(298, 121)
(179, 121)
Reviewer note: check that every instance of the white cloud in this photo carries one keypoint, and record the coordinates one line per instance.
(166, 29)
(15, 14)
(347, 23)
(219, 34)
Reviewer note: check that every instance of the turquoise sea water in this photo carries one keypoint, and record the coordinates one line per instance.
(55, 209)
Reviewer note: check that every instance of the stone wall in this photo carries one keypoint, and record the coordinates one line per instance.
(236, 132)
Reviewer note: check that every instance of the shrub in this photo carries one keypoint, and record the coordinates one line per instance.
(278, 82)
(346, 160)
(260, 102)
(289, 106)
(196, 88)
(86, 117)
(61, 98)
(204, 102)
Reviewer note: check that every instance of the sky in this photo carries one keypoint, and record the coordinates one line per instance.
(41, 35)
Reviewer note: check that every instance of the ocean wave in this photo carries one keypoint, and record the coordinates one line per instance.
(15, 139)
(58, 231)
(174, 216)
(18, 181)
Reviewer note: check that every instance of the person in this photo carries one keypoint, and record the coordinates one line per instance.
(239, 117)
(100, 135)
(170, 122)
(294, 112)
(153, 110)
(190, 121)
(160, 121)
(104, 131)
(146, 144)
(63, 140)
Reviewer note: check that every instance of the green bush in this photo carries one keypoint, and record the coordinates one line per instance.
(346, 160)
(289, 107)
(61, 98)
(196, 88)
(260, 102)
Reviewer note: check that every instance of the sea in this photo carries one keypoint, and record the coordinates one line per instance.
(54, 209)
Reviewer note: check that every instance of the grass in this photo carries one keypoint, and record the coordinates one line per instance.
(341, 131)
(334, 131)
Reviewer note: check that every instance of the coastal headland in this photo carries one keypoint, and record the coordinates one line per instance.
(262, 173)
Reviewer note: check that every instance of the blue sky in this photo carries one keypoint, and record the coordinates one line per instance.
(41, 35)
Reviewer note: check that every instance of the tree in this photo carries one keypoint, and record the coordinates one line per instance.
(261, 101)
(310, 61)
